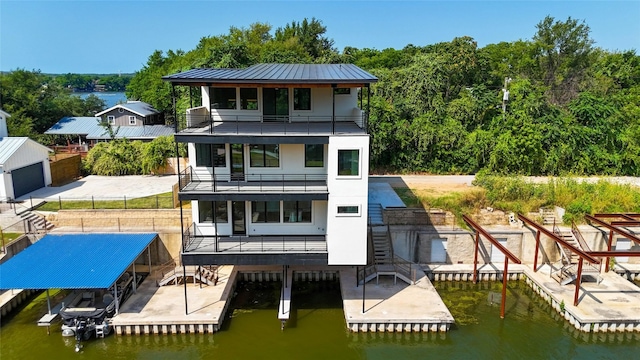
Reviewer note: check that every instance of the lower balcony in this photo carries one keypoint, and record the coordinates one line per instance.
(254, 250)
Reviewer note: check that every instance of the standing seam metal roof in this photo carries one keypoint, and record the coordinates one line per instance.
(9, 145)
(73, 261)
(278, 73)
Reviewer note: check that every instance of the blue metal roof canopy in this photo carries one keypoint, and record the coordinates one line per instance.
(73, 261)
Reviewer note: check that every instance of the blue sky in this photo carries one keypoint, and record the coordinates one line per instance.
(95, 36)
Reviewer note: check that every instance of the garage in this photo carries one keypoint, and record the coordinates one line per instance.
(27, 179)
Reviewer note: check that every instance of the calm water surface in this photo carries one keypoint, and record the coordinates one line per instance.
(531, 330)
(110, 98)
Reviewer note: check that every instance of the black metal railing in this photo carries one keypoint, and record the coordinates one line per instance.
(269, 124)
(255, 244)
(190, 180)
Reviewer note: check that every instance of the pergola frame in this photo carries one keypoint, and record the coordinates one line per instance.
(508, 255)
(614, 227)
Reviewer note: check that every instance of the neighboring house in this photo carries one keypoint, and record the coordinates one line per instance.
(133, 120)
(280, 156)
(3, 123)
(131, 113)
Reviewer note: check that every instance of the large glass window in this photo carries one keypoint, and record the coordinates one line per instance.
(265, 155)
(302, 99)
(297, 211)
(249, 98)
(223, 98)
(265, 211)
(349, 162)
(206, 210)
(211, 155)
(314, 155)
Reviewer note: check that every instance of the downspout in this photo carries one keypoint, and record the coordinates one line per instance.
(333, 101)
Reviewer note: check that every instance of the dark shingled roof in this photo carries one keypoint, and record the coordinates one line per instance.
(277, 74)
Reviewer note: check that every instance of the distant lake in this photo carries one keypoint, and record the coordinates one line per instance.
(110, 98)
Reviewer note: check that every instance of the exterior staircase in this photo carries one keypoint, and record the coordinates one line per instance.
(548, 216)
(203, 274)
(568, 271)
(374, 213)
(35, 223)
(384, 261)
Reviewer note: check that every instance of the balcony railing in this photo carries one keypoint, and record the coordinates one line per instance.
(195, 242)
(190, 180)
(197, 122)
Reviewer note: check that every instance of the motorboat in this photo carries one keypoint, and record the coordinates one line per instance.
(89, 312)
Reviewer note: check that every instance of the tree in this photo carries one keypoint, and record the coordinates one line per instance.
(563, 53)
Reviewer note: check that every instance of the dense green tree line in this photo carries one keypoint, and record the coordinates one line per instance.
(88, 82)
(572, 108)
(36, 102)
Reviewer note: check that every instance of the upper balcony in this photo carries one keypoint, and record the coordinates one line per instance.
(198, 186)
(199, 121)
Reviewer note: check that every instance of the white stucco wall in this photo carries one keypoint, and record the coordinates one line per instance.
(347, 234)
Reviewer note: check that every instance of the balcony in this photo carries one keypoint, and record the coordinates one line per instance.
(246, 250)
(193, 183)
(198, 122)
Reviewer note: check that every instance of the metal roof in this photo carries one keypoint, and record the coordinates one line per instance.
(278, 74)
(134, 132)
(9, 145)
(136, 107)
(73, 261)
(91, 128)
(78, 125)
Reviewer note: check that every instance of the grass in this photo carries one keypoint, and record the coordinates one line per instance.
(9, 236)
(515, 194)
(160, 201)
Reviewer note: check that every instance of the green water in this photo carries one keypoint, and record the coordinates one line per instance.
(531, 330)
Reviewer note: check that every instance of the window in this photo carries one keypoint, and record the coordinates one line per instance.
(264, 155)
(206, 211)
(302, 99)
(346, 210)
(297, 211)
(342, 91)
(314, 155)
(111, 119)
(348, 162)
(223, 98)
(132, 120)
(211, 154)
(265, 211)
(249, 98)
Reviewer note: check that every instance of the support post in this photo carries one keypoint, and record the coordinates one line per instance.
(333, 113)
(48, 303)
(505, 276)
(610, 240)
(184, 280)
(535, 257)
(149, 256)
(115, 295)
(135, 285)
(364, 285)
(578, 279)
(475, 259)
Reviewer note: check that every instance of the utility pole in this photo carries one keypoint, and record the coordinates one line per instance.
(505, 96)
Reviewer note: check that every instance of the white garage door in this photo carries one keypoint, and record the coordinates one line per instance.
(439, 251)
(497, 257)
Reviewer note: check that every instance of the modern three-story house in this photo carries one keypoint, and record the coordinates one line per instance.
(278, 165)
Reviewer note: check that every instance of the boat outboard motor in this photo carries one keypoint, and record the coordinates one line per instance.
(81, 330)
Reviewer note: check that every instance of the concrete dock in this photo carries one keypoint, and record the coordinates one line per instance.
(612, 305)
(161, 310)
(392, 307)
